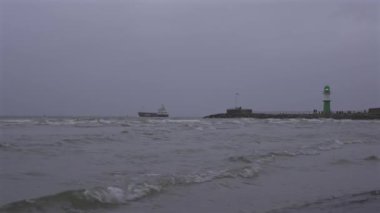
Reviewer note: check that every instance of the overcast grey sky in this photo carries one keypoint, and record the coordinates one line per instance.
(117, 57)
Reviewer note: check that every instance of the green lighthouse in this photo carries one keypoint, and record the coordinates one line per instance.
(326, 100)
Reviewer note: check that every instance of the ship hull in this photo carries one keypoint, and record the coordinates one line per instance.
(152, 115)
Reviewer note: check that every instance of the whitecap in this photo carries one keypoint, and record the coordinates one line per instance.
(141, 190)
(109, 194)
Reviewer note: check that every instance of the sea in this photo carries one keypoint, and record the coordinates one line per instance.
(125, 164)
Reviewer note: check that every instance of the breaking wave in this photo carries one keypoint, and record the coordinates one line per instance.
(83, 199)
(68, 201)
(112, 196)
(85, 122)
(314, 149)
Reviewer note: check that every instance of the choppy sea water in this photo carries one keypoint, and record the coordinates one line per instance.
(89, 164)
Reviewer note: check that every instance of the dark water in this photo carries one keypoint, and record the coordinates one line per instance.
(189, 165)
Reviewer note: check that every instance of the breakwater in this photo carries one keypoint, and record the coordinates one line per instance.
(317, 115)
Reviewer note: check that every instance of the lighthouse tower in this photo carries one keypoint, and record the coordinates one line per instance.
(326, 100)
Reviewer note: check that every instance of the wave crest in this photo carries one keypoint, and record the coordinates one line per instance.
(105, 195)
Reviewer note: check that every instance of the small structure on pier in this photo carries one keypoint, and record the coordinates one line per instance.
(374, 111)
(238, 111)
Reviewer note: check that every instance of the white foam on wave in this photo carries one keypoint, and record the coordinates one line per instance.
(106, 121)
(199, 128)
(336, 144)
(249, 172)
(116, 195)
(315, 149)
(184, 121)
(16, 121)
(112, 195)
(283, 121)
(141, 190)
(205, 176)
(343, 121)
(314, 120)
(210, 175)
(236, 121)
(136, 191)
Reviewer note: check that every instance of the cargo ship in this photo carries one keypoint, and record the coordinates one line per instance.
(161, 113)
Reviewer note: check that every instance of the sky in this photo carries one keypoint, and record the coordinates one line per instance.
(118, 57)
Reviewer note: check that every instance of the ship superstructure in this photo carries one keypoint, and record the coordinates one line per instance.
(161, 112)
